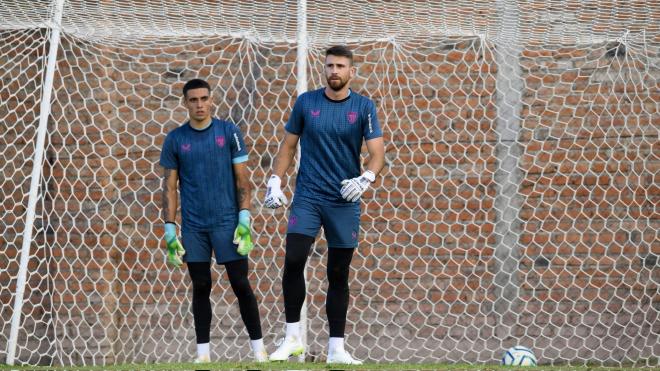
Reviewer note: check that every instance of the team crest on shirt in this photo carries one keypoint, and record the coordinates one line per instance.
(186, 147)
(352, 117)
(315, 113)
(220, 141)
(354, 235)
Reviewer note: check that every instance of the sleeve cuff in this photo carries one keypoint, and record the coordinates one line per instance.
(239, 159)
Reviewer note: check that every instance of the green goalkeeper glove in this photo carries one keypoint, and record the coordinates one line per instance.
(242, 234)
(175, 249)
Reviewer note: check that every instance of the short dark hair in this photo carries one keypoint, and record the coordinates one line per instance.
(340, 51)
(195, 84)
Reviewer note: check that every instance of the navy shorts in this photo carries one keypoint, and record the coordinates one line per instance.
(200, 245)
(340, 222)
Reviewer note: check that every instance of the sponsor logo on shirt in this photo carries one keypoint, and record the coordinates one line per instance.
(238, 142)
(352, 117)
(220, 141)
(315, 113)
(186, 147)
(354, 235)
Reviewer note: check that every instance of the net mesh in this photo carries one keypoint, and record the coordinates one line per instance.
(518, 205)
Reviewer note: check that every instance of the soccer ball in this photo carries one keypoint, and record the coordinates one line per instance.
(519, 356)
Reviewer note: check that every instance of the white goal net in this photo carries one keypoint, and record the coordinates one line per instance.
(519, 204)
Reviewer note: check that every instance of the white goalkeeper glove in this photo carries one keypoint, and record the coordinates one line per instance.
(352, 189)
(274, 195)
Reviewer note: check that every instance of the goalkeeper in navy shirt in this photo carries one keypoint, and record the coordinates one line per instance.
(331, 124)
(206, 159)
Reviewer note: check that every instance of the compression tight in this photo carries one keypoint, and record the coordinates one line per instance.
(237, 270)
(298, 247)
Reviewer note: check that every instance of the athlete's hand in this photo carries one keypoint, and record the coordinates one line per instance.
(243, 234)
(274, 195)
(175, 249)
(352, 189)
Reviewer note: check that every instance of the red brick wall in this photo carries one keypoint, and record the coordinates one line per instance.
(21, 63)
(590, 132)
(423, 281)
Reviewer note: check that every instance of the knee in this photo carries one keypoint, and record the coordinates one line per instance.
(241, 287)
(297, 249)
(201, 284)
(294, 263)
(338, 277)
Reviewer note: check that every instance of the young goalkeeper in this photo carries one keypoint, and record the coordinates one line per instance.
(206, 159)
(331, 124)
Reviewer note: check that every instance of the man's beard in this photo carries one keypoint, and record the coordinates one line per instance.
(336, 84)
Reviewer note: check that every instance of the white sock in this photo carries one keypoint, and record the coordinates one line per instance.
(335, 345)
(293, 330)
(203, 350)
(257, 345)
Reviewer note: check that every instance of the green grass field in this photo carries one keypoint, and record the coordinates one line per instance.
(323, 366)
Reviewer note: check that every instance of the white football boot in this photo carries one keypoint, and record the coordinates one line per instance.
(203, 359)
(342, 356)
(261, 356)
(291, 346)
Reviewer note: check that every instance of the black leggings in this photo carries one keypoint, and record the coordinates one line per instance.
(293, 281)
(237, 270)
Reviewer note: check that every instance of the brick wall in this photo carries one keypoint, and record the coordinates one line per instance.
(591, 226)
(21, 62)
(423, 285)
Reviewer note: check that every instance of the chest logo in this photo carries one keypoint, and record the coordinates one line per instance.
(186, 147)
(315, 113)
(220, 141)
(352, 117)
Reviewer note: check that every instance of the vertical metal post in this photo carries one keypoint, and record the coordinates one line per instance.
(508, 176)
(301, 87)
(35, 179)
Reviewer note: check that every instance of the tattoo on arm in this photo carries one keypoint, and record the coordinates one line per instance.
(166, 201)
(243, 186)
(241, 195)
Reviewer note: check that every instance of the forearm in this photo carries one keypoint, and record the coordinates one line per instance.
(375, 164)
(170, 205)
(243, 193)
(283, 160)
(376, 160)
(170, 197)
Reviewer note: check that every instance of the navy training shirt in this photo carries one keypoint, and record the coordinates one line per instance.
(331, 134)
(204, 160)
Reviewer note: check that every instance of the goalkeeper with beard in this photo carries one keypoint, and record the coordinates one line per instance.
(207, 160)
(331, 124)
